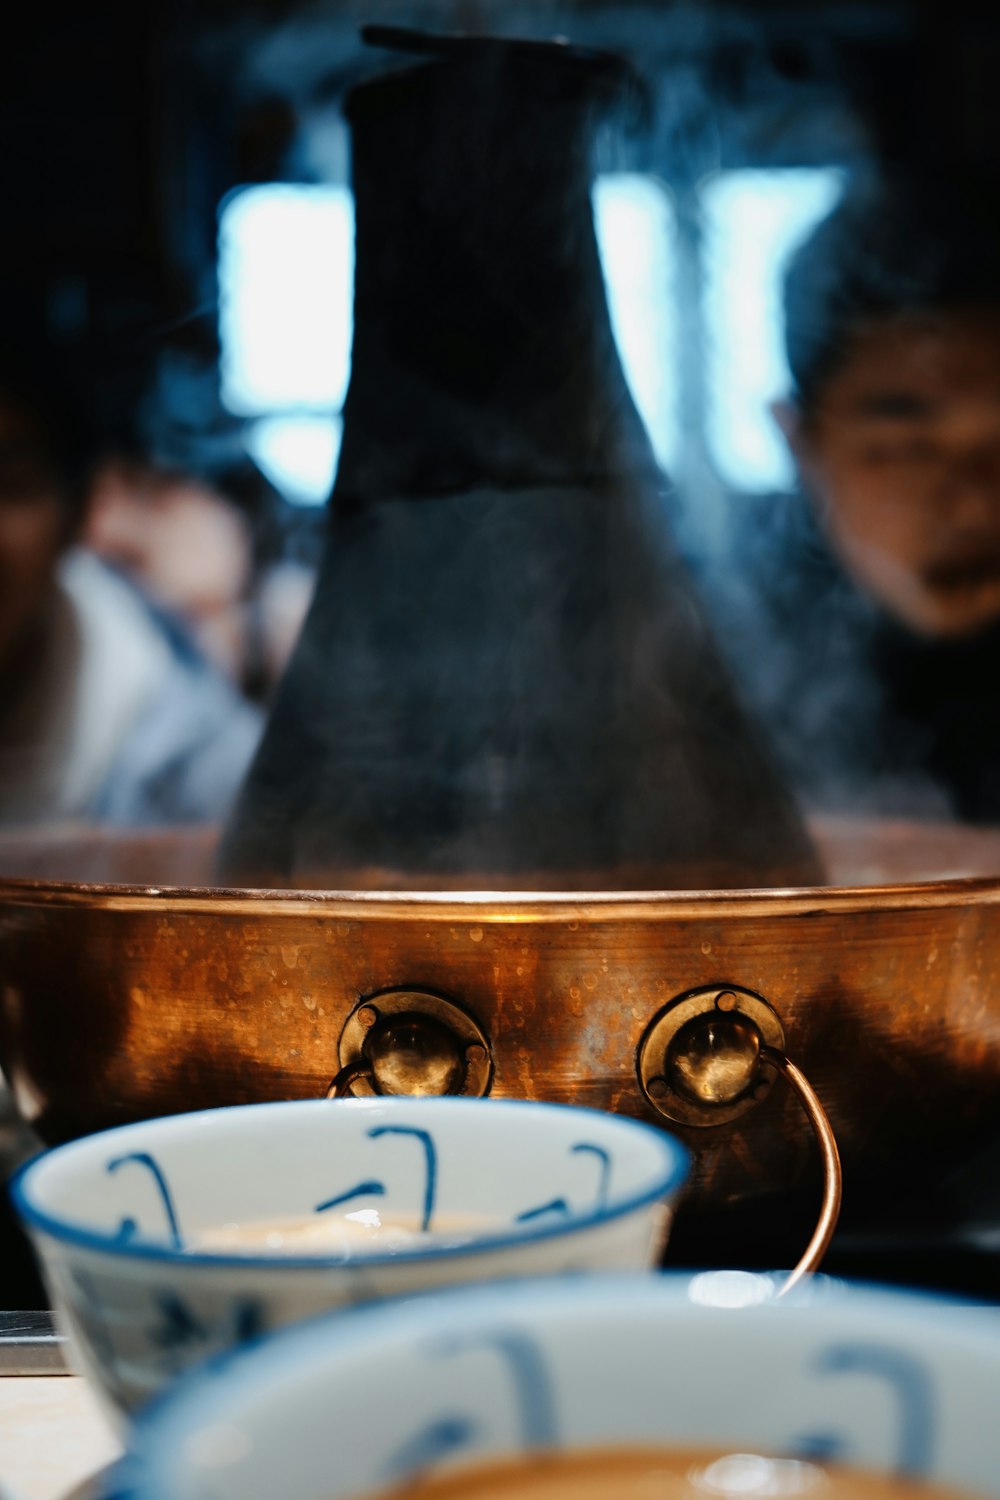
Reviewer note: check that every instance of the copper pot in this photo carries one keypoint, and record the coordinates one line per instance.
(121, 1001)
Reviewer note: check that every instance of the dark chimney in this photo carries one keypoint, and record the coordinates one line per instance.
(504, 679)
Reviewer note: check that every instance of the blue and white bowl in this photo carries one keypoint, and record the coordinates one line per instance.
(882, 1380)
(887, 1381)
(116, 1217)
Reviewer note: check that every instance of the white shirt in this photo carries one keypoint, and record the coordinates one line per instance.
(123, 721)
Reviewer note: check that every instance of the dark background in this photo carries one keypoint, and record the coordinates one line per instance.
(122, 129)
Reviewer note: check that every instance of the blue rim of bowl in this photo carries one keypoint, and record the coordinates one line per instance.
(676, 1160)
(140, 1471)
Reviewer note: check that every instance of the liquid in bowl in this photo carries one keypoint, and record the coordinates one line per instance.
(367, 1230)
(668, 1473)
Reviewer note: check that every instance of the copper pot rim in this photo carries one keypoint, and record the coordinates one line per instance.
(506, 905)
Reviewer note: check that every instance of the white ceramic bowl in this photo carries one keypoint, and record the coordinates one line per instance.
(113, 1216)
(889, 1381)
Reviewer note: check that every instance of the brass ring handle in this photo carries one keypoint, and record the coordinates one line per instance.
(700, 1063)
(340, 1087)
(832, 1175)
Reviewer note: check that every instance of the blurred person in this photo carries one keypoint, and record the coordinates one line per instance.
(868, 627)
(107, 712)
(281, 602)
(892, 316)
(186, 545)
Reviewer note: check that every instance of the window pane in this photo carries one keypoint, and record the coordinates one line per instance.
(636, 236)
(752, 222)
(286, 267)
(286, 274)
(298, 454)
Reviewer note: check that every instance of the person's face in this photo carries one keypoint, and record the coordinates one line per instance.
(902, 457)
(33, 527)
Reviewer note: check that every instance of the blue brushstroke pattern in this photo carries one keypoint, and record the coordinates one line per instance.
(557, 1206)
(370, 1189)
(178, 1327)
(560, 1205)
(604, 1181)
(430, 1159)
(528, 1372)
(822, 1448)
(914, 1392)
(128, 1226)
(248, 1320)
(429, 1446)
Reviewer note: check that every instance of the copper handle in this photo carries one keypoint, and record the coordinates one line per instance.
(833, 1180)
(700, 1063)
(340, 1087)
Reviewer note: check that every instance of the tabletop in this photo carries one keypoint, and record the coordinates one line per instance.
(53, 1436)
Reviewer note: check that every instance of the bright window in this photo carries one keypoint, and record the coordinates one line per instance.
(636, 236)
(286, 270)
(286, 275)
(752, 222)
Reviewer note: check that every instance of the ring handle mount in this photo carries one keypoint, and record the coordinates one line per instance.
(699, 1060)
(713, 1054)
(412, 1043)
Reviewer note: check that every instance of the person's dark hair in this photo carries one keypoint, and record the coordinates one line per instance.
(34, 384)
(904, 248)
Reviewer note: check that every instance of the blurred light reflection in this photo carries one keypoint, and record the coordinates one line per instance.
(730, 1289)
(749, 1475)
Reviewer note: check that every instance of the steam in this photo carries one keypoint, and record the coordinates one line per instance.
(716, 84)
